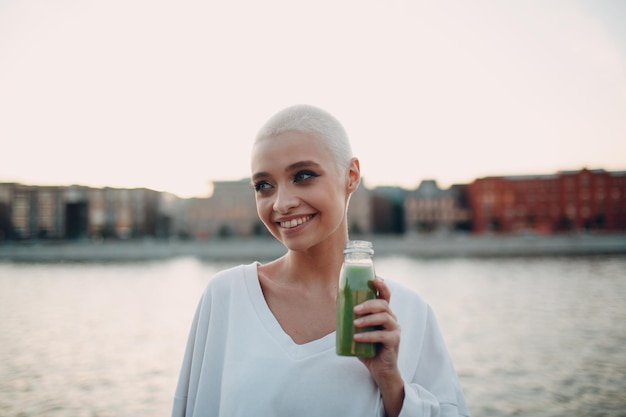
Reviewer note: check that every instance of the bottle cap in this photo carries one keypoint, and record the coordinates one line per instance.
(362, 246)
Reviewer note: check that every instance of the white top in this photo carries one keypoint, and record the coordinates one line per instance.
(240, 362)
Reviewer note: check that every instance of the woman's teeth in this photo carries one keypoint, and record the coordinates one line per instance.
(295, 222)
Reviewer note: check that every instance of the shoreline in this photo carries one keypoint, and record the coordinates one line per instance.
(262, 249)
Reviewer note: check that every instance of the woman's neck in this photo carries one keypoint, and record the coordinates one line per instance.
(317, 265)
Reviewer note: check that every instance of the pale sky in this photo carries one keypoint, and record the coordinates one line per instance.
(169, 94)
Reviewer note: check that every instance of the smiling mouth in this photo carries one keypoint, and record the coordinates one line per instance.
(289, 224)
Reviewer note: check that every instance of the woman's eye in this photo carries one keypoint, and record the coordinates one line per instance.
(304, 175)
(261, 186)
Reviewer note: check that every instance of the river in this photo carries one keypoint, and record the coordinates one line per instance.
(535, 336)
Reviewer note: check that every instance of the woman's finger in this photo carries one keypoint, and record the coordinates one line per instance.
(384, 320)
(384, 337)
(383, 290)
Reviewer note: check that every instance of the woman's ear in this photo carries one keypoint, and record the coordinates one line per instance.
(354, 175)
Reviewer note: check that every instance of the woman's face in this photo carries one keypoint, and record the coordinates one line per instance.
(301, 195)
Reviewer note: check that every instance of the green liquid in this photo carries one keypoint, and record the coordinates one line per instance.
(355, 287)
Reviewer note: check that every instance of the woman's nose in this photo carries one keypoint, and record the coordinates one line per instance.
(285, 200)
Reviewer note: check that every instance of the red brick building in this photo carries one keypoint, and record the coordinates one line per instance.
(566, 201)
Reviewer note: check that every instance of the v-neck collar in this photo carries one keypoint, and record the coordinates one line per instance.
(272, 325)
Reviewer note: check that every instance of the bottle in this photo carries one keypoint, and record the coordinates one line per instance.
(355, 286)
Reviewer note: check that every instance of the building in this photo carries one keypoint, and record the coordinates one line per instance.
(429, 208)
(31, 212)
(75, 212)
(388, 210)
(566, 201)
(591, 200)
(229, 211)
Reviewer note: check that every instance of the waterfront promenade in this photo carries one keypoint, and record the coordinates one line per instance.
(237, 249)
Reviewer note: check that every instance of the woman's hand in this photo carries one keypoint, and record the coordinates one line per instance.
(384, 366)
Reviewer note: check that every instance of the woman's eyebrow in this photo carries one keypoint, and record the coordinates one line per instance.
(260, 175)
(291, 167)
(302, 164)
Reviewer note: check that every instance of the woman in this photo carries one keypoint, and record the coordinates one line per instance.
(262, 341)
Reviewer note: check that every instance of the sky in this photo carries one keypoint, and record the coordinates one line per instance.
(168, 95)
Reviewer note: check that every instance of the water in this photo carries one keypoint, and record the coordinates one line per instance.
(529, 336)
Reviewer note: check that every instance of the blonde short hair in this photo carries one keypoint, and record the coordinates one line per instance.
(312, 120)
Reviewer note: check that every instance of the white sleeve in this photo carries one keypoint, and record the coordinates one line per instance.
(179, 408)
(197, 391)
(434, 389)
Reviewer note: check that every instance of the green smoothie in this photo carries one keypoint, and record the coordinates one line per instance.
(355, 287)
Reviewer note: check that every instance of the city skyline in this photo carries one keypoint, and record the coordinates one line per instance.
(443, 187)
(564, 202)
(168, 96)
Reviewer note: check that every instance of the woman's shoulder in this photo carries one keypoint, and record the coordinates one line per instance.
(225, 279)
(401, 290)
(405, 298)
(233, 271)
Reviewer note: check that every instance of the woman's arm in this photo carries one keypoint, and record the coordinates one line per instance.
(384, 366)
(434, 388)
